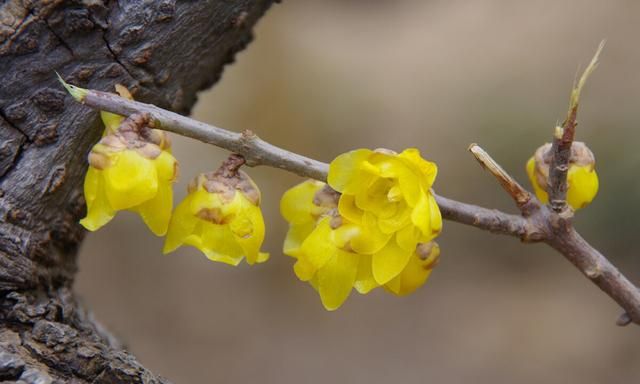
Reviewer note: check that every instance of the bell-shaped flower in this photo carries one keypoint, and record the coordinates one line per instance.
(221, 217)
(130, 169)
(389, 195)
(582, 179)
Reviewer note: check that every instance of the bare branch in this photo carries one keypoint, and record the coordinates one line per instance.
(540, 224)
(561, 145)
(601, 272)
(490, 220)
(520, 195)
(255, 150)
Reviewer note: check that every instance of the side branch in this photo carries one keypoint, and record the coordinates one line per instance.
(520, 195)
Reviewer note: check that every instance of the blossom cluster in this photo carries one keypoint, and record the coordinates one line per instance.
(371, 226)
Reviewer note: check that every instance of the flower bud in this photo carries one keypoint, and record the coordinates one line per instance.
(582, 179)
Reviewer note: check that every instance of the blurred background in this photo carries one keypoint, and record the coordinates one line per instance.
(324, 77)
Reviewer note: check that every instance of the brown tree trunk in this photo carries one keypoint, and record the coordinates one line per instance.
(165, 51)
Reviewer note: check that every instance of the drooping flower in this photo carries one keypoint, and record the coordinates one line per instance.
(368, 235)
(220, 216)
(582, 179)
(130, 169)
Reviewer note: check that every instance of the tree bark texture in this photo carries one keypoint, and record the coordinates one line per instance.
(165, 52)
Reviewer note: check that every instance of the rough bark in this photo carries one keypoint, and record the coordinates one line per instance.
(165, 51)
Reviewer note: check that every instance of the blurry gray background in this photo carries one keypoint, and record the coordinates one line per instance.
(324, 77)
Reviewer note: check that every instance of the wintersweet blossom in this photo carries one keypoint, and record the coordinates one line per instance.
(130, 168)
(221, 217)
(377, 232)
(389, 195)
(582, 179)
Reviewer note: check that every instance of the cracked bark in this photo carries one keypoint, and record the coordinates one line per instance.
(165, 51)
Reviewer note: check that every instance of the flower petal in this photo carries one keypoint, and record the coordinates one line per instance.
(336, 278)
(130, 181)
(582, 185)
(541, 194)
(181, 225)
(248, 229)
(389, 262)
(156, 213)
(295, 236)
(296, 205)
(317, 248)
(415, 274)
(218, 244)
(364, 279)
(99, 211)
(345, 168)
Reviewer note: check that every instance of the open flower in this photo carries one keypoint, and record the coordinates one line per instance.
(582, 179)
(389, 196)
(338, 241)
(221, 217)
(130, 169)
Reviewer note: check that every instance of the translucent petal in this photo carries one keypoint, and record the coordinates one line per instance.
(219, 244)
(304, 270)
(248, 229)
(421, 214)
(336, 279)
(156, 212)
(295, 236)
(317, 248)
(296, 205)
(436, 217)
(181, 225)
(582, 186)
(389, 262)
(397, 221)
(344, 168)
(540, 193)
(407, 238)
(99, 211)
(427, 170)
(166, 166)
(364, 279)
(414, 275)
(348, 209)
(130, 181)
(369, 240)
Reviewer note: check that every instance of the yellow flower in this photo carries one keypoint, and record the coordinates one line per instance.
(221, 217)
(389, 196)
(368, 238)
(582, 179)
(417, 271)
(128, 172)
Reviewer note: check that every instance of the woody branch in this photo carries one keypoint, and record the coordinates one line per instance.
(536, 222)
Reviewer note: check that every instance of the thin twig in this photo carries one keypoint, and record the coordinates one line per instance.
(513, 188)
(538, 226)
